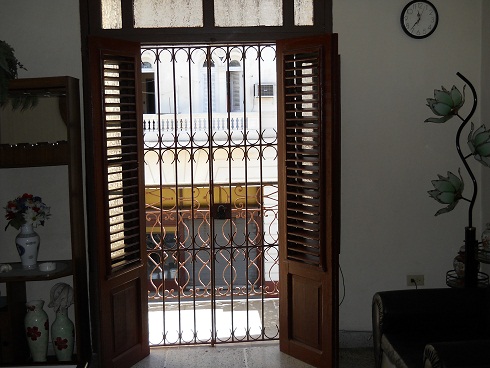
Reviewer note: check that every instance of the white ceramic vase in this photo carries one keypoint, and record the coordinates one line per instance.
(27, 242)
(36, 324)
(63, 336)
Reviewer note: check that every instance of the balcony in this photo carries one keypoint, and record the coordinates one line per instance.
(238, 128)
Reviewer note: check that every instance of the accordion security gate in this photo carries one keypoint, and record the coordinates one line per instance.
(211, 193)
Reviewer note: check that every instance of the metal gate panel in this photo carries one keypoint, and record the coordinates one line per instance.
(211, 193)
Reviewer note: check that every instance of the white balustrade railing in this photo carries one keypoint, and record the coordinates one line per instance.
(198, 124)
(166, 126)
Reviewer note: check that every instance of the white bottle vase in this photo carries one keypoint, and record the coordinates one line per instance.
(36, 324)
(63, 336)
(27, 242)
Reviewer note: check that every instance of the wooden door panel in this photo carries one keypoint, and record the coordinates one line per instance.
(125, 315)
(308, 297)
(309, 191)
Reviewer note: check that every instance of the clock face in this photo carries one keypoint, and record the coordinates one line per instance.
(419, 19)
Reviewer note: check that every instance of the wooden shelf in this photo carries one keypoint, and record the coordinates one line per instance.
(39, 86)
(51, 360)
(63, 268)
(33, 155)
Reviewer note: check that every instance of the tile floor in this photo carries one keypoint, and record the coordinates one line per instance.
(264, 354)
(243, 355)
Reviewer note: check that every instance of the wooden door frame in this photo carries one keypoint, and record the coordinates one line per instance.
(87, 28)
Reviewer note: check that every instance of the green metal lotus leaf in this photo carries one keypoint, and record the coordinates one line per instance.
(445, 104)
(479, 143)
(448, 190)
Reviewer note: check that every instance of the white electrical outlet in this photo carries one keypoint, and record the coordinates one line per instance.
(415, 280)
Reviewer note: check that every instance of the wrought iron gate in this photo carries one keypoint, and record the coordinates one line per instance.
(211, 193)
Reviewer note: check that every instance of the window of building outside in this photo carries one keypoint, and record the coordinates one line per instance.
(190, 13)
(191, 21)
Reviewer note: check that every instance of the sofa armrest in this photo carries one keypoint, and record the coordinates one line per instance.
(457, 354)
(377, 320)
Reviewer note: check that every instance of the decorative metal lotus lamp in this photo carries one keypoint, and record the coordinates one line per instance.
(449, 190)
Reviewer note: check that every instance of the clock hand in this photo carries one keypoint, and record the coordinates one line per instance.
(419, 16)
(418, 20)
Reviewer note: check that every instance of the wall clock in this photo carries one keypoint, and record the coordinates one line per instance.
(419, 19)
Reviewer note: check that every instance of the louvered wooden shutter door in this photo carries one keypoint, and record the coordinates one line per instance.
(309, 187)
(115, 213)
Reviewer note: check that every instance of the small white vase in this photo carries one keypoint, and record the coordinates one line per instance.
(27, 242)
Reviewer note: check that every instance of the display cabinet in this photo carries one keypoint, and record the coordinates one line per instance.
(62, 93)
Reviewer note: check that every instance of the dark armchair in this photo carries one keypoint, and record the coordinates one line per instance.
(432, 328)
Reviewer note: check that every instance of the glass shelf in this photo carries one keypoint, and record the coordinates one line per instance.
(453, 280)
(483, 255)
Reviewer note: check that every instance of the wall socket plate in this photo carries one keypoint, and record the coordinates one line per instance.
(415, 280)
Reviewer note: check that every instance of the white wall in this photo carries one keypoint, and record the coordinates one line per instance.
(389, 156)
(45, 36)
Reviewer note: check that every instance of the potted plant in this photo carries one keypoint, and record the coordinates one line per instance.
(9, 65)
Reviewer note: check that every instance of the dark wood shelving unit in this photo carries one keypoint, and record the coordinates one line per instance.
(13, 343)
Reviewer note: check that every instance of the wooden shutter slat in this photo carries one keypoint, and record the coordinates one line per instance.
(293, 192)
(116, 199)
(303, 201)
(305, 252)
(297, 219)
(304, 234)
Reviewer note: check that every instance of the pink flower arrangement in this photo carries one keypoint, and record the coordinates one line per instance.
(26, 209)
